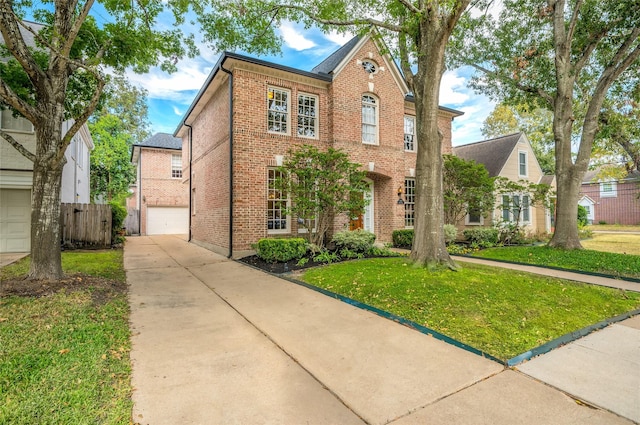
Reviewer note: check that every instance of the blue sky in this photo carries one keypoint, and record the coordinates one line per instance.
(169, 95)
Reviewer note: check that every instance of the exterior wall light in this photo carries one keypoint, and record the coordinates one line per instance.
(400, 193)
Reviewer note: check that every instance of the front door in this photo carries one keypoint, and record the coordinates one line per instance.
(364, 221)
(357, 222)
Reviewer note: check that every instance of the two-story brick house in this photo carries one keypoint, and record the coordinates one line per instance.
(160, 194)
(250, 112)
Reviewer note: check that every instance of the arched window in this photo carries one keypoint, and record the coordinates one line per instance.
(369, 120)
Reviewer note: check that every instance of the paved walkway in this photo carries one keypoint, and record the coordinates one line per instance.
(7, 258)
(217, 342)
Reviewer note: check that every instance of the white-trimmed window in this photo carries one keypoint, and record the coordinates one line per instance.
(176, 166)
(474, 218)
(308, 115)
(522, 164)
(277, 203)
(369, 119)
(409, 133)
(9, 122)
(278, 115)
(409, 202)
(514, 206)
(79, 152)
(608, 189)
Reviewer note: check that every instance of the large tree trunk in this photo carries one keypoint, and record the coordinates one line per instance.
(429, 248)
(566, 226)
(45, 205)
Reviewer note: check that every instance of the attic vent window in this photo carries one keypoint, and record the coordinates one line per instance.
(369, 66)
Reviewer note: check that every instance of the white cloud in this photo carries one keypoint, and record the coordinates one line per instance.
(177, 111)
(453, 89)
(294, 38)
(338, 38)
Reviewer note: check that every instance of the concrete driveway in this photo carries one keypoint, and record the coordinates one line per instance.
(217, 342)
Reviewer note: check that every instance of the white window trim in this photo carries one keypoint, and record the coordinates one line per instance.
(414, 134)
(11, 130)
(377, 120)
(288, 122)
(316, 127)
(175, 166)
(510, 209)
(409, 203)
(526, 163)
(467, 222)
(613, 193)
(286, 230)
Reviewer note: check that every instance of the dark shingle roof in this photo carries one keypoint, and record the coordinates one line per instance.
(591, 176)
(28, 36)
(547, 179)
(493, 153)
(328, 65)
(162, 140)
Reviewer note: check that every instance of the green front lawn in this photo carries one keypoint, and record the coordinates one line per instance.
(582, 260)
(64, 357)
(501, 312)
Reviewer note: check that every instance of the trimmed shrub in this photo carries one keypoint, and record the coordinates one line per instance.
(450, 233)
(482, 236)
(280, 249)
(357, 241)
(583, 216)
(402, 238)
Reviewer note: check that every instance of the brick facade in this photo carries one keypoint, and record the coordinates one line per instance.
(255, 149)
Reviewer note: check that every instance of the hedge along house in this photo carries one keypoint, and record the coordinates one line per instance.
(249, 113)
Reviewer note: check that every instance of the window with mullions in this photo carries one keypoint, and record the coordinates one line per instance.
(307, 115)
(176, 166)
(277, 202)
(409, 134)
(369, 120)
(516, 207)
(409, 202)
(278, 110)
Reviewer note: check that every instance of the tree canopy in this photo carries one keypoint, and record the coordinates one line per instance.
(565, 56)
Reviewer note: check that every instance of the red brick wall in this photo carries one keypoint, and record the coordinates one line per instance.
(158, 188)
(624, 208)
(340, 108)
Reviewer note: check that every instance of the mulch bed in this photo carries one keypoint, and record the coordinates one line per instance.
(277, 268)
(102, 290)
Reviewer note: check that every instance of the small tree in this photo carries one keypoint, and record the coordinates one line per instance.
(321, 186)
(515, 199)
(467, 188)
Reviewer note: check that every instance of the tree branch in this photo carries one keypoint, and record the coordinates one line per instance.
(410, 6)
(15, 42)
(17, 145)
(405, 64)
(71, 37)
(533, 90)
(11, 98)
(574, 19)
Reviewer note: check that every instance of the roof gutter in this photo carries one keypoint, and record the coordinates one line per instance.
(190, 177)
(230, 159)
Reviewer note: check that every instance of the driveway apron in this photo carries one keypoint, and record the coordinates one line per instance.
(217, 342)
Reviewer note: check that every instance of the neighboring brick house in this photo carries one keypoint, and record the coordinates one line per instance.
(355, 100)
(610, 201)
(511, 157)
(160, 194)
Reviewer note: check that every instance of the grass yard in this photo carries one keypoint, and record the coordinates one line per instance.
(584, 260)
(619, 243)
(502, 312)
(64, 349)
(614, 228)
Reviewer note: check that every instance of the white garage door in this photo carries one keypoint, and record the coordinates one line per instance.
(15, 220)
(167, 220)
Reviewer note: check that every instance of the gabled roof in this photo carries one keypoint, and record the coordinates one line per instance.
(591, 176)
(493, 153)
(162, 140)
(329, 65)
(547, 179)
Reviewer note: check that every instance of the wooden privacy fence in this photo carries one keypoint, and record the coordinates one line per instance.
(85, 225)
(132, 222)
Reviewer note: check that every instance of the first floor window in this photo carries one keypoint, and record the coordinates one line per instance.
(409, 202)
(409, 134)
(516, 208)
(474, 216)
(277, 202)
(176, 166)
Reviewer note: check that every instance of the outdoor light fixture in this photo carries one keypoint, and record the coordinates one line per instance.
(400, 192)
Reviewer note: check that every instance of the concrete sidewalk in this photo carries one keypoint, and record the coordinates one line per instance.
(217, 342)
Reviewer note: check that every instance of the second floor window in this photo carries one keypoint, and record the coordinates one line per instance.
(307, 115)
(409, 134)
(369, 120)
(176, 166)
(278, 110)
(522, 164)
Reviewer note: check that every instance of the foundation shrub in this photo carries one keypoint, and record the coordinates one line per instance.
(356, 241)
(483, 236)
(280, 249)
(402, 238)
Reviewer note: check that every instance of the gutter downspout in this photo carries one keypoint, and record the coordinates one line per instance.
(230, 159)
(190, 177)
